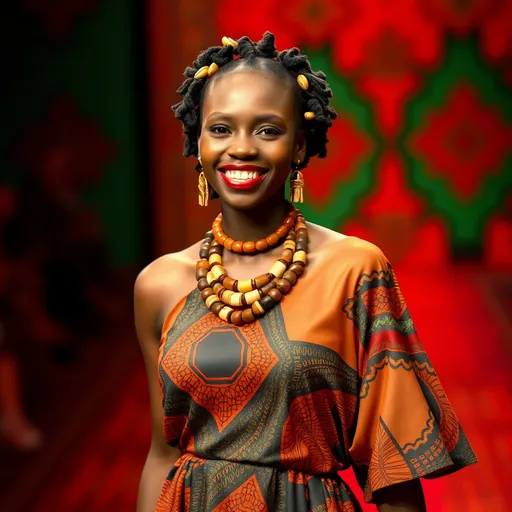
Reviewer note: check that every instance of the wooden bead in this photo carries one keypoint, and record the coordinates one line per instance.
(257, 309)
(261, 281)
(207, 292)
(236, 299)
(236, 318)
(302, 245)
(275, 294)
(289, 244)
(228, 243)
(215, 258)
(267, 303)
(217, 288)
(272, 239)
(202, 284)
(204, 251)
(244, 285)
(289, 222)
(203, 263)
(249, 247)
(225, 312)
(237, 246)
(297, 268)
(217, 271)
(287, 256)
(228, 283)
(277, 269)
(211, 300)
(290, 276)
(283, 285)
(300, 225)
(281, 231)
(248, 316)
(216, 249)
(261, 245)
(216, 307)
(268, 287)
(252, 296)
(201, 272)
(300, 256)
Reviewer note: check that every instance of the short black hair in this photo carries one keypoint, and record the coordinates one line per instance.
(264, 56)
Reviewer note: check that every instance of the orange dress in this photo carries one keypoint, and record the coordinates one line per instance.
(334, 376)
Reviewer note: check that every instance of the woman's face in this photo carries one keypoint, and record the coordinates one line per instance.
(249, 136)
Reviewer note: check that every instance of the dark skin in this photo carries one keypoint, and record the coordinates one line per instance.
(252, 117)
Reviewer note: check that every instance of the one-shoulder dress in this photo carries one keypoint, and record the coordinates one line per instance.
(267, 415)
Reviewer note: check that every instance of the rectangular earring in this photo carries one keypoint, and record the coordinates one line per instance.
(203, 190)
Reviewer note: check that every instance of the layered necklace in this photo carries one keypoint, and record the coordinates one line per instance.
(241, 302)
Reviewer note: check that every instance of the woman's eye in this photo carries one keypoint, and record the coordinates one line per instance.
(219, 129)
(270, 131)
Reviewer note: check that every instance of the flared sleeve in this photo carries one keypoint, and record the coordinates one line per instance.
(404, 426)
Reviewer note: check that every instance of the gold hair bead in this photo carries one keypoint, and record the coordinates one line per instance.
(227, 41)
(201, 73)
(212, 69)
(309, 116)
(303, 82)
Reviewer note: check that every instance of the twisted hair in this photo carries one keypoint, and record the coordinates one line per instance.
(261, 55)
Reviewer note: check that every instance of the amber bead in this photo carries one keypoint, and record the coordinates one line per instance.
(238, 246)
(287, 256)
(201, 272)
(289, 222)
(283, 285)
(228, 243)
(249, 247)
(297, 268)
(228, 283)
(261, 245)
(216, 307)
(248, 316)
(236, 318)
(202, 284)
(290, 276)
(261, 281)
(275, 294)
(281, 231)
(267, 303)
(272, 239)
(203, 263)
(206, 293)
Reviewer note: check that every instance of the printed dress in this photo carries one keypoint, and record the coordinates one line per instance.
(267, 414)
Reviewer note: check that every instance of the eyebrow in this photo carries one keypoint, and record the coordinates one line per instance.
(258, 118)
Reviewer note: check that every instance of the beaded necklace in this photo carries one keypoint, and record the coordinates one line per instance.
(241, 302)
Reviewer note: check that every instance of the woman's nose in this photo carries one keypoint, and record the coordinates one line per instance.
(243, 148)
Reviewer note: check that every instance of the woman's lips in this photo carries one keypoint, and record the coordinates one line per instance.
(242, 177)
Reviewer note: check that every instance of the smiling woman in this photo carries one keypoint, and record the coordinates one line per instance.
(303, 361)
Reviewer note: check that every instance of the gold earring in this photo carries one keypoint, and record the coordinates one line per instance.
(204, 193)
(297, 186)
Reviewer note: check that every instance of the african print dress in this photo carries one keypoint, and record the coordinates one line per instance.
(267, 414)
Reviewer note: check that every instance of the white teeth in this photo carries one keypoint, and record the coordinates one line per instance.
(241, 175)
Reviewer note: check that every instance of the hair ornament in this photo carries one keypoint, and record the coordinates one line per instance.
(303, 82)
(309, 116)
(212, 69)
(201, 72)
(227, 41)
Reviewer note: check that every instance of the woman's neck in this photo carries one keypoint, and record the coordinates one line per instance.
(256, 223)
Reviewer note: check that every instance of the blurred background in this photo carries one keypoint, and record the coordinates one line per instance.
(93, 187)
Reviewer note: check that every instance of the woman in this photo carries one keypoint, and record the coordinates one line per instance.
(275, 380)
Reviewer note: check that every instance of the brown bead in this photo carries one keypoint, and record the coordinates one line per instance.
(238, 246)
(201, 272)
(228, 243)
(268, 287)
(235, 285)
(206, 293)
(272, 239)
(287, 256)
(297, 268)
(203, 263)
(275, 294)
(249, 247)
(261, 281)
(256, 311)
(283, 285)
(217, 249)
(216, 307)
(261, 245)
(289, 222)
(291, 236)
(248, 316)
(202, 284)
(301, 245)
(236, 318)
(217, 287)
(228, 283)
(290, 276)
(267, 303)
(281, 231)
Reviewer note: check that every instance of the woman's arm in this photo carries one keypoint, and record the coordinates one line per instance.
(161, 457)
(403, 497)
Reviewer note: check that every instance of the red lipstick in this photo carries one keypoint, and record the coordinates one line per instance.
(242, 184)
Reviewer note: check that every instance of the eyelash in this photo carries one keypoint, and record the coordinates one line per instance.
(214, 129)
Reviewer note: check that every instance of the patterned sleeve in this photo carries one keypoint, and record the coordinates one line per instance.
(405, 426)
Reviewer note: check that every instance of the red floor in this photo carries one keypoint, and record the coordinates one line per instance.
(465, 329)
